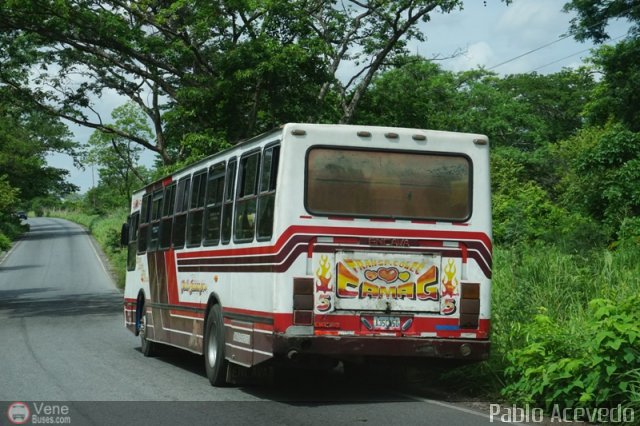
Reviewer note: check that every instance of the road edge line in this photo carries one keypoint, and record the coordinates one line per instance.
(94, 243)
(11, 250)
(457, 408)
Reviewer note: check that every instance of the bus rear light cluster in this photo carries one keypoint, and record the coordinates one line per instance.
(303, 301)
(469, 305)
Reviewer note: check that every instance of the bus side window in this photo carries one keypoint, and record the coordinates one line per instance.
(180, 219)
(267, 195)
(227, 209)
(246, 201)
(154, 229)
(196, 209)
(166, 223)
(143, 228)
(133, 241)
(213, 212)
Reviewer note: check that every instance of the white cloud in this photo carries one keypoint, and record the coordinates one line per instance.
(530, 23)
(478, 54)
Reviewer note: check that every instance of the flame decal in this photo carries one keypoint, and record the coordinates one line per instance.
(324, 275)
(449, 280)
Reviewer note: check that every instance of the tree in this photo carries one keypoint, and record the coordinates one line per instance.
(8, 200)
(225, 70)
(592, 17)
(603, 174)
(525, 111)
(370, 34)
(557, 100)
(417, 93)
(117, 157)
(26, 138)
(617, 96)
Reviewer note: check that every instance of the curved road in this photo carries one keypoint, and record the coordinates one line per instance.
(62, 339)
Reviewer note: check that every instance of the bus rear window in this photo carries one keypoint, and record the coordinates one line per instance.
(389, 184)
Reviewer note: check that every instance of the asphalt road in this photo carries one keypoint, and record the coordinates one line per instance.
(62, 340)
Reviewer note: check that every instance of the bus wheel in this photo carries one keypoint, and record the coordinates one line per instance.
(214, 361)
(148, 347)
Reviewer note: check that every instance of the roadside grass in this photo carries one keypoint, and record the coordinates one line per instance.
(565, 329)
(11, 229)
(106, 230)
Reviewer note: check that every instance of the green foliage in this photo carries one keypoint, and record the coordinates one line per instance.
(542, 314)
(116, 158)
(545, 325)
(524, 111)
(196, 146)
(8, 195)
(524, 212)
(10, 226)
(5, 242)
(554, 102)
(588, 369)
(26, 138)
(592, 17)
(198, 67)
(602, 177)
(616, 97)
(416, 94)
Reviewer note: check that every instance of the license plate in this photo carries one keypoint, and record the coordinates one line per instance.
(386, 323)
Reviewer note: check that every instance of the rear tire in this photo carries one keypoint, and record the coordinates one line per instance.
(148, 347)
(214, 358)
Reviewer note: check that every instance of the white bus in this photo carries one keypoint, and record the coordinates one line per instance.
(340, 242)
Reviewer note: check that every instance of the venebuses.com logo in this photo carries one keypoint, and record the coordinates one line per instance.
(18, 413)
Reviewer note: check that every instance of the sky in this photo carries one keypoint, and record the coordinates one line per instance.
(485, 33)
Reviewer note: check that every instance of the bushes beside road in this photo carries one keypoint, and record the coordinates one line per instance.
(565, 329)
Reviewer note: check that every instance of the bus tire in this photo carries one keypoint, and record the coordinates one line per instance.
(147, 347)
(214, 358)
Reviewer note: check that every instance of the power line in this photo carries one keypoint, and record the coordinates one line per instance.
(528, 52)
(556, 41)
(572, 55)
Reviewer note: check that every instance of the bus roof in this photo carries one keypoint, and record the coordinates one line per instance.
(280, 129)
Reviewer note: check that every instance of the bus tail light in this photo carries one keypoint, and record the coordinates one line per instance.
(303, 301)
(469, 305)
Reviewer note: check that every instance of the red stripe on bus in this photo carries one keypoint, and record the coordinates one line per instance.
(329, 231)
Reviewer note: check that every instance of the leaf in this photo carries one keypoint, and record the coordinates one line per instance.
(614, 344)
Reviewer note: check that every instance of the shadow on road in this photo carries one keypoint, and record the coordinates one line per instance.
(18, 267)
(184, 360)
(296, 386)
(37, 234)
(20, 304)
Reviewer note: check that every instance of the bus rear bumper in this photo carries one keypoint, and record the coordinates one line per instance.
(382, 346)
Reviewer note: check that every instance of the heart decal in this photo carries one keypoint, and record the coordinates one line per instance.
(388, 275)
(370, 275)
